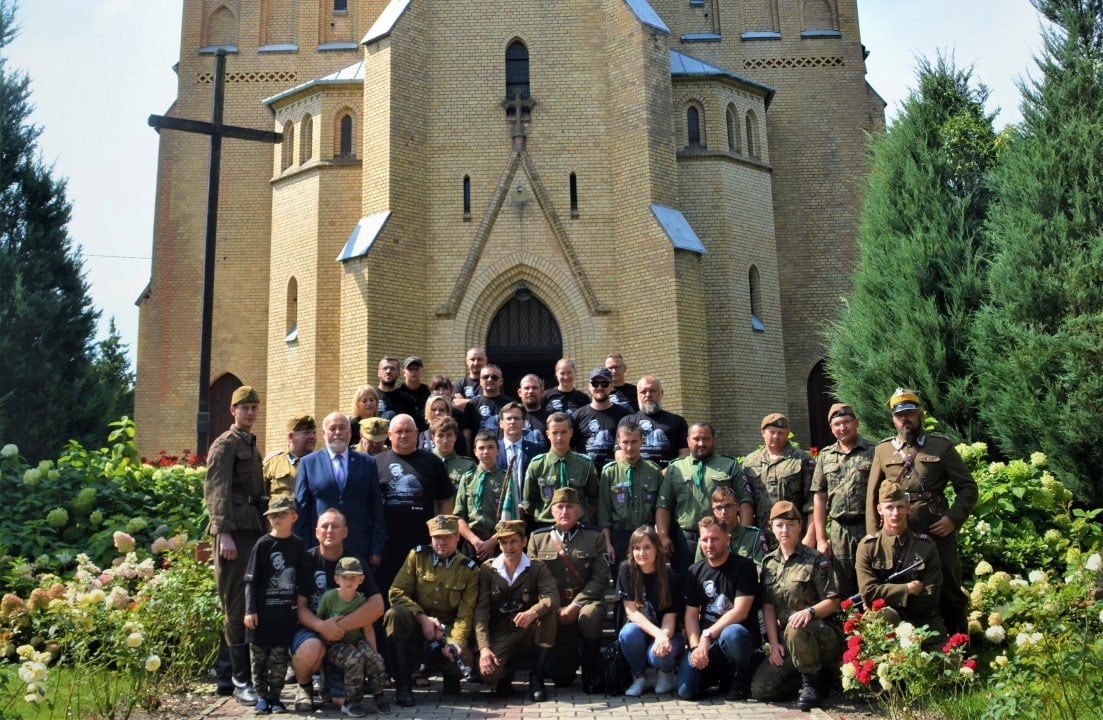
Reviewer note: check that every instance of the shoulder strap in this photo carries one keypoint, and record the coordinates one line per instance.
(567, 558)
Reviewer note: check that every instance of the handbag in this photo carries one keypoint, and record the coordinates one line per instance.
(615, 675)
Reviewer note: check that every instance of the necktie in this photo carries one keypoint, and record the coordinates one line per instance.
(700, 477)
(339, 471)
(564, 480)
(479, 491)
(630, 483)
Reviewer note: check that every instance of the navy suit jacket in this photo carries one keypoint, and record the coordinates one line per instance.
(529, 450)
(361, 502)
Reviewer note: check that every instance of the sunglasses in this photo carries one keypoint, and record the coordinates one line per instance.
(490, 377)
(599, 383)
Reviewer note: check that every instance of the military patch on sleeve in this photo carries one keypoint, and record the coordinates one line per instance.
(825, 563)
(471, 564)
(423, 548)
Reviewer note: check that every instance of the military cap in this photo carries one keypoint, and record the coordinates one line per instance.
(601, 373)
(374, 428)
(301, 423)
(443, 525)
(785, 510)
(349, 566)
(412, 360)
(245, 394)
(509, 527)
(903, 399)
(890, 492)
(774, 420)
(566, 495)
(279, 503)
(840, 410)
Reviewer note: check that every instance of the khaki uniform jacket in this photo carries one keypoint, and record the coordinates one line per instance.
(626, 508)
(844, 477)
(687, 502)
(446, 591)
(798, 583)
(234, 484)
(279, 474)
(787, 478)
(533, 589)
(586, 549)
(876, 561)
(936, 465)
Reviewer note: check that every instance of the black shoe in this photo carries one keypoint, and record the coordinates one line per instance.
(537, 691)
(810, 695)
(504, 688)
(403, 695)
(737, 692)
(224, 688)
(451, 685)
(245, 694)
(382, 705)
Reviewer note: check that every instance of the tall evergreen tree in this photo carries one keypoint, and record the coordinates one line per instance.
(47, 322)
(1039, 341)
(919, 279)
(113, 377)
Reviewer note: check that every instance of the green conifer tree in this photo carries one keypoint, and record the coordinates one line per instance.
(47, 322)
(1039, 340)
(920, 274)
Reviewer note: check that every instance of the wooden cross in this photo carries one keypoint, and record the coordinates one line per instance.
(216, 130)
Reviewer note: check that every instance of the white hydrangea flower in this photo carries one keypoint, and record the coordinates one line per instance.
(983, 568)
(995, 634)
(983, 528)
(134, 640)
(1000, 660)
(9, 451)
(1037, 459)
(1094, 563)
(1036, 576)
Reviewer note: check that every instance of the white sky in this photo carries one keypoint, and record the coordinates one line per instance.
(99, 68)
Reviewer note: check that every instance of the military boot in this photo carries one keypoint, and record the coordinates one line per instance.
(811, 696)
(403, 680)
(243, 687)
(537, 691)
(590, 662)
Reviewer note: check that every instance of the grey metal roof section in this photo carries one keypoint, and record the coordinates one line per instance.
(647, 15)
(363, 235)
(689, 66)
(677, 228)
(351, 75)
(384, 25)
(701, 37)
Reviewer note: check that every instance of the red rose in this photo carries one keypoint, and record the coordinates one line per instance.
(970, 663)
(848, 626)
(877, 604)
(846, 604)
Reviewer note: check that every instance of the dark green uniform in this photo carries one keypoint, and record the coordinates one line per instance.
(844, 476)
(548, 472)
(583, 580)
(687, 487)
(924, 470)
(499, 601)
(444, 588)
(879, 556)
(626, 500)
(477, 499)
(788, 477)
(456, 465)
(792, 586)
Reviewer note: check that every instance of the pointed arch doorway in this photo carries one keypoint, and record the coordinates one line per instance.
(524, 338)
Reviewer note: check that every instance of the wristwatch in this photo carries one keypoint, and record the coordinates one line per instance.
(706, 633)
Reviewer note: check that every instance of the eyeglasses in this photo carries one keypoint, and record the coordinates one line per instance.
(491, 377)
(599, 383)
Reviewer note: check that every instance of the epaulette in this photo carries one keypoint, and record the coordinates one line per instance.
(924, 536)
(730, 457)
(869, 537)
(538, 457)
(652, 463)
(271, 455)
(423, 548)
(543, 530)
(890, 438)
(471, 564)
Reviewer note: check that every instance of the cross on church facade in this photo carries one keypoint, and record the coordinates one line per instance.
(519, 106)
(216, 130)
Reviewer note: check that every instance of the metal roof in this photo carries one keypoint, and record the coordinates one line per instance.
(351, 75)
(647, 15)
(386, 21)
(363, 235)
(689, 66)
(677, 228)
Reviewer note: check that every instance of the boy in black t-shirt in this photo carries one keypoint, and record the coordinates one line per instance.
(270, 615)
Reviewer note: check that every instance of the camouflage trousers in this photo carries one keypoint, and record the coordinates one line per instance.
(844, 548)
(269, 670)
(362, 666)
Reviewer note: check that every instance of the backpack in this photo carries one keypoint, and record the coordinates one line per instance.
(616, 676)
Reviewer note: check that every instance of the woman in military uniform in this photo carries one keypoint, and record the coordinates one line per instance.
(801, 601)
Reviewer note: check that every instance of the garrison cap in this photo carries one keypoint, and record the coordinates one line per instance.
(840, 410)
(890, 492)
(279, 503)
(774, 420)
(903, 399)
(301, 423)
(349, 566)
(785, 510)
(443, 525)
(245, 394)
(566, 495)
(509, 527)
(374, 428)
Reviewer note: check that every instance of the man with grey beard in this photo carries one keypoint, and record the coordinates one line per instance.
(664, 433)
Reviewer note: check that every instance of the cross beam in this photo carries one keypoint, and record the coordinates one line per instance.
(216, 130)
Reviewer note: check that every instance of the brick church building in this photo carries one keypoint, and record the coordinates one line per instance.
(674, 180)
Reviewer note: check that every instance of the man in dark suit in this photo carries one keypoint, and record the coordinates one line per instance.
(511, 419)
(337, 477)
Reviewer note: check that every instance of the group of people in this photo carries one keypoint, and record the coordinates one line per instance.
(726, 573)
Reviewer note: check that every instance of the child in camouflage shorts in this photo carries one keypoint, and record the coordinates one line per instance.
(354, 655)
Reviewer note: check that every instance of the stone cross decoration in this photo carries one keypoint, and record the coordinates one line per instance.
(519, 106)
(216, 130)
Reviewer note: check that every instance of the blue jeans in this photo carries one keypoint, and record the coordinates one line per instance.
(637, 648)
(733, 648)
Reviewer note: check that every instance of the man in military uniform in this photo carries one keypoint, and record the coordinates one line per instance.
(923, 464)
(432, 601)
(901, 567)
(779, 471)
(280, 466)
(373, 435)
(839, 491)
(743, 540)
(560, 467)
(686, 491)
(628, 493)
(232, 492)
(576, 557)
(800, 598)
(515, 613)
